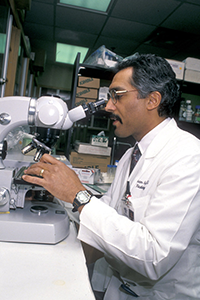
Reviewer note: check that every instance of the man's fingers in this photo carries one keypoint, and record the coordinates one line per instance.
(46, 158)
(33, 179)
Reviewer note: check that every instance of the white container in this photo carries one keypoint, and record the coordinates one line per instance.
(178, 68)
(192, 63)
(192, 76)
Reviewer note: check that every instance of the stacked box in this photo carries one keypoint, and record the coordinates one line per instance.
(86, 93)
(89, 82)
(192, 70)
(192, 76)
(86, 148)
(87, 90)
(78, 160)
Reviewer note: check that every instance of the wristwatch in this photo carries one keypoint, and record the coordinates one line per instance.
(82, 198)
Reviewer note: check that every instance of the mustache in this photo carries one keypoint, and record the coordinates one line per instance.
(115, 117)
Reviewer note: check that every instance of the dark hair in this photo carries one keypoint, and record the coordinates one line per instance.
(153, 73)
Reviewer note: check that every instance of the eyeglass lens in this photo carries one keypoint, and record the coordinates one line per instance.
(112, 95)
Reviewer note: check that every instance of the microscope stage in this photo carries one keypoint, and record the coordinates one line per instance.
(38, 222)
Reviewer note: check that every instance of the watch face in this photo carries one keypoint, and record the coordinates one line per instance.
(83, 196)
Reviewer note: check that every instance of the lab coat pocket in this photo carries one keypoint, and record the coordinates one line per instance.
(139, 206)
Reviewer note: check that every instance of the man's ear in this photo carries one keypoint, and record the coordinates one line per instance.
(154, 100)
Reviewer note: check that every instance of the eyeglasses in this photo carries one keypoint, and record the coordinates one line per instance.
(115, 95)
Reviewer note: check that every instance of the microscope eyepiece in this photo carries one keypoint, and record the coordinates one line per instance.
(92, 107)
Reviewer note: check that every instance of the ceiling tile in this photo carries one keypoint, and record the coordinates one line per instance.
(44, 1)
(126, 29)
(38, 31)
(74, 37)
(144, 11)
(191, 1)
(185, 18)
(40, 13)
(170, 39)
(80, 20)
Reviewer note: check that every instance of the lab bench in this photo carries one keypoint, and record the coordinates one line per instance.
(44, 272)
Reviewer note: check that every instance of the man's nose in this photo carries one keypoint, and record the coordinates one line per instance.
(110, 106)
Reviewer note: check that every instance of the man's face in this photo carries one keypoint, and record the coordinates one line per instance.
(129, 111)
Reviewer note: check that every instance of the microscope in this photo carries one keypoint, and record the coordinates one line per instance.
(34, 220)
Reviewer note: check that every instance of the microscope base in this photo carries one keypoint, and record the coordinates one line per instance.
(38, 222)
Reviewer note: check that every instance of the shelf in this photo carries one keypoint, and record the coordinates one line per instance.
(190, 87)
(95, 71)
(95, 121)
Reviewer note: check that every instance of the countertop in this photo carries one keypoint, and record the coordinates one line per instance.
(39, 272)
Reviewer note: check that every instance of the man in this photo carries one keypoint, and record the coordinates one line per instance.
(147, 224)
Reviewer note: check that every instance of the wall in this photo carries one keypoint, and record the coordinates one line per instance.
(56, 77)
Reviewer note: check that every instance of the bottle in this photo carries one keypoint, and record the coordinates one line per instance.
(116, 163)
(189, 111)
(182, 111)
(111, 170)
(197, 114)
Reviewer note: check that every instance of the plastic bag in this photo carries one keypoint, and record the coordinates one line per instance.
(131, 56)
(103, 57)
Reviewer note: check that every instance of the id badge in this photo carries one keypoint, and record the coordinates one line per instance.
(127, 207)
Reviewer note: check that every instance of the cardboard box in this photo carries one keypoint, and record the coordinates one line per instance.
(192, 63)
(89, 82)
(192, 76)
(89, 161)
(86, 93)
(81, 101)
(86, 148)
(88, 176)
(178, 68)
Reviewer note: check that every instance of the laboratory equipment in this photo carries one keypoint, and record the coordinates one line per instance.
(23, 219)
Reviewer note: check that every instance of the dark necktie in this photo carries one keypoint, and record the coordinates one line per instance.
(135, 157)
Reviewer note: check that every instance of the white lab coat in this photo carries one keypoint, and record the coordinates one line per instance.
(158, 253)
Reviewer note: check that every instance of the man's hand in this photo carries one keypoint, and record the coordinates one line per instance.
(58, 179)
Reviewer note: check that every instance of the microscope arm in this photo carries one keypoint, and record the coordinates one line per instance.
(47, 112)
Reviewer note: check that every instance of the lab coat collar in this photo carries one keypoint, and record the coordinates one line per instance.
(149, 137)
(161, 139)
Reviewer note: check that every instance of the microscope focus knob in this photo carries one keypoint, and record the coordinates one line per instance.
(4, 196)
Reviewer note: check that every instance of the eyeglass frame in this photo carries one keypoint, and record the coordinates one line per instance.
(113, 99)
